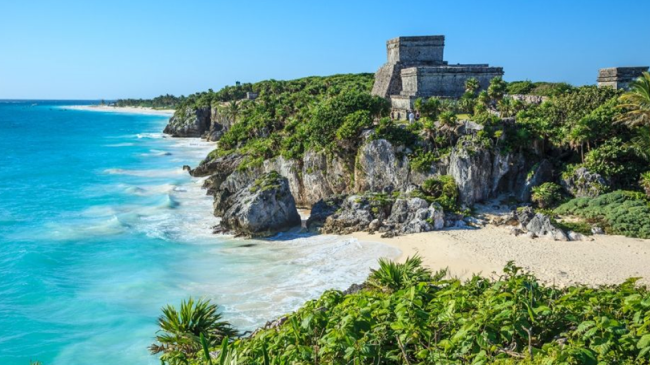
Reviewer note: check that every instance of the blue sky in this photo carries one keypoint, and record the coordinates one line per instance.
(113, 49)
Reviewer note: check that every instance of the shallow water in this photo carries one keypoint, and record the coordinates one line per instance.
(100, 227)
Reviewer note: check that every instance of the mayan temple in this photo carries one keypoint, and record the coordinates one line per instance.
(416, 69)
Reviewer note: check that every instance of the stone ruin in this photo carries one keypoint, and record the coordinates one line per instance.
(416, 69)
(619, 77)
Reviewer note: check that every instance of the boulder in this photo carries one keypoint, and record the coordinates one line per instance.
(416, 215)
(575, 236)
(355, 214)
(368, 212)
(323, 209)
(524, 215)
(597, 230)
(583, 183)
(189, 123)
(264, 207)
(540, 225)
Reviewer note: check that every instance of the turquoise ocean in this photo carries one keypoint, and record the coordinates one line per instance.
(100, 227)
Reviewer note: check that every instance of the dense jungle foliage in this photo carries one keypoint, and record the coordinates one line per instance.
(159, 102)
(575, 126)
(405, 314)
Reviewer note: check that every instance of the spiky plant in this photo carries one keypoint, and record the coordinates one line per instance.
(392, 276)
(179, 337)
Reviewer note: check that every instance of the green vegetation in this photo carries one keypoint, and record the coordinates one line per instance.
(182, 331)
(538, 88)
(619, 212)
(404, 314)
(159, 102)
(271, 180)
(289, 117)
(645, 183)
(579, 227)
(442, 190)
(546, 195)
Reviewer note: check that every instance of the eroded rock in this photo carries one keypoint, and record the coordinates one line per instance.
(264, 207)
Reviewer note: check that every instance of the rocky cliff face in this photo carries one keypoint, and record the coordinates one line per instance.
(206, 123)
(380, 167)
(189, 123)
(480, 173)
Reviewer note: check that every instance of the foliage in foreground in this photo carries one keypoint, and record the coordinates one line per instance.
(183, 331)
(620, 212)
(406, 315)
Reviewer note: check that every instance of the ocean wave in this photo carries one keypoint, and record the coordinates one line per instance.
(151, 189)
(150, 135)
(156, 153)
(125, 144)
(145, 173)
(76, 232)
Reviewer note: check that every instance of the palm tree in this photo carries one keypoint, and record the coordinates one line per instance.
(471, 85)
(232, 110)
(637, 102)
(497, 88)
(179, 337)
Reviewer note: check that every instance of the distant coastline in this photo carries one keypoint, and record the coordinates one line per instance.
(125, 109)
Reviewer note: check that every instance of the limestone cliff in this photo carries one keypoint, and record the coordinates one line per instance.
(208, 123)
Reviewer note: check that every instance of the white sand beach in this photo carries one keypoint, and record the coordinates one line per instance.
(605, 260)
(126, 109)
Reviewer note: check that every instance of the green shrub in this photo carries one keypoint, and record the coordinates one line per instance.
(442, 190)
(580, 227)
(353, 124)
(423, 161)
(546, 195)
(645, 183)
(620, 212)
(615, 161)
(410, 316)
(395, 134)
(520, 87)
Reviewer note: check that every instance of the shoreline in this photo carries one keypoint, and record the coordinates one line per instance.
(605, 260)
(122, 109)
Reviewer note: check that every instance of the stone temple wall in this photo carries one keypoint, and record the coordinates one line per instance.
(416, 68)
(416, 50)
(619, 77)
(445, 81)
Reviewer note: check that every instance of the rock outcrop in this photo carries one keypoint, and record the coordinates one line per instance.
(540, 225)
(379, 169)
(583, 183)
(264, 207)
(189, 123)
(480, 172)
(372, 213)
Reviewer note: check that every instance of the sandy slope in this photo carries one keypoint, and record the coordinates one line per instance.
(127, 109)
(605, 260)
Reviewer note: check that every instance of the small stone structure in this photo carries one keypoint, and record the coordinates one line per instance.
(416, 69)
(619, 77)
